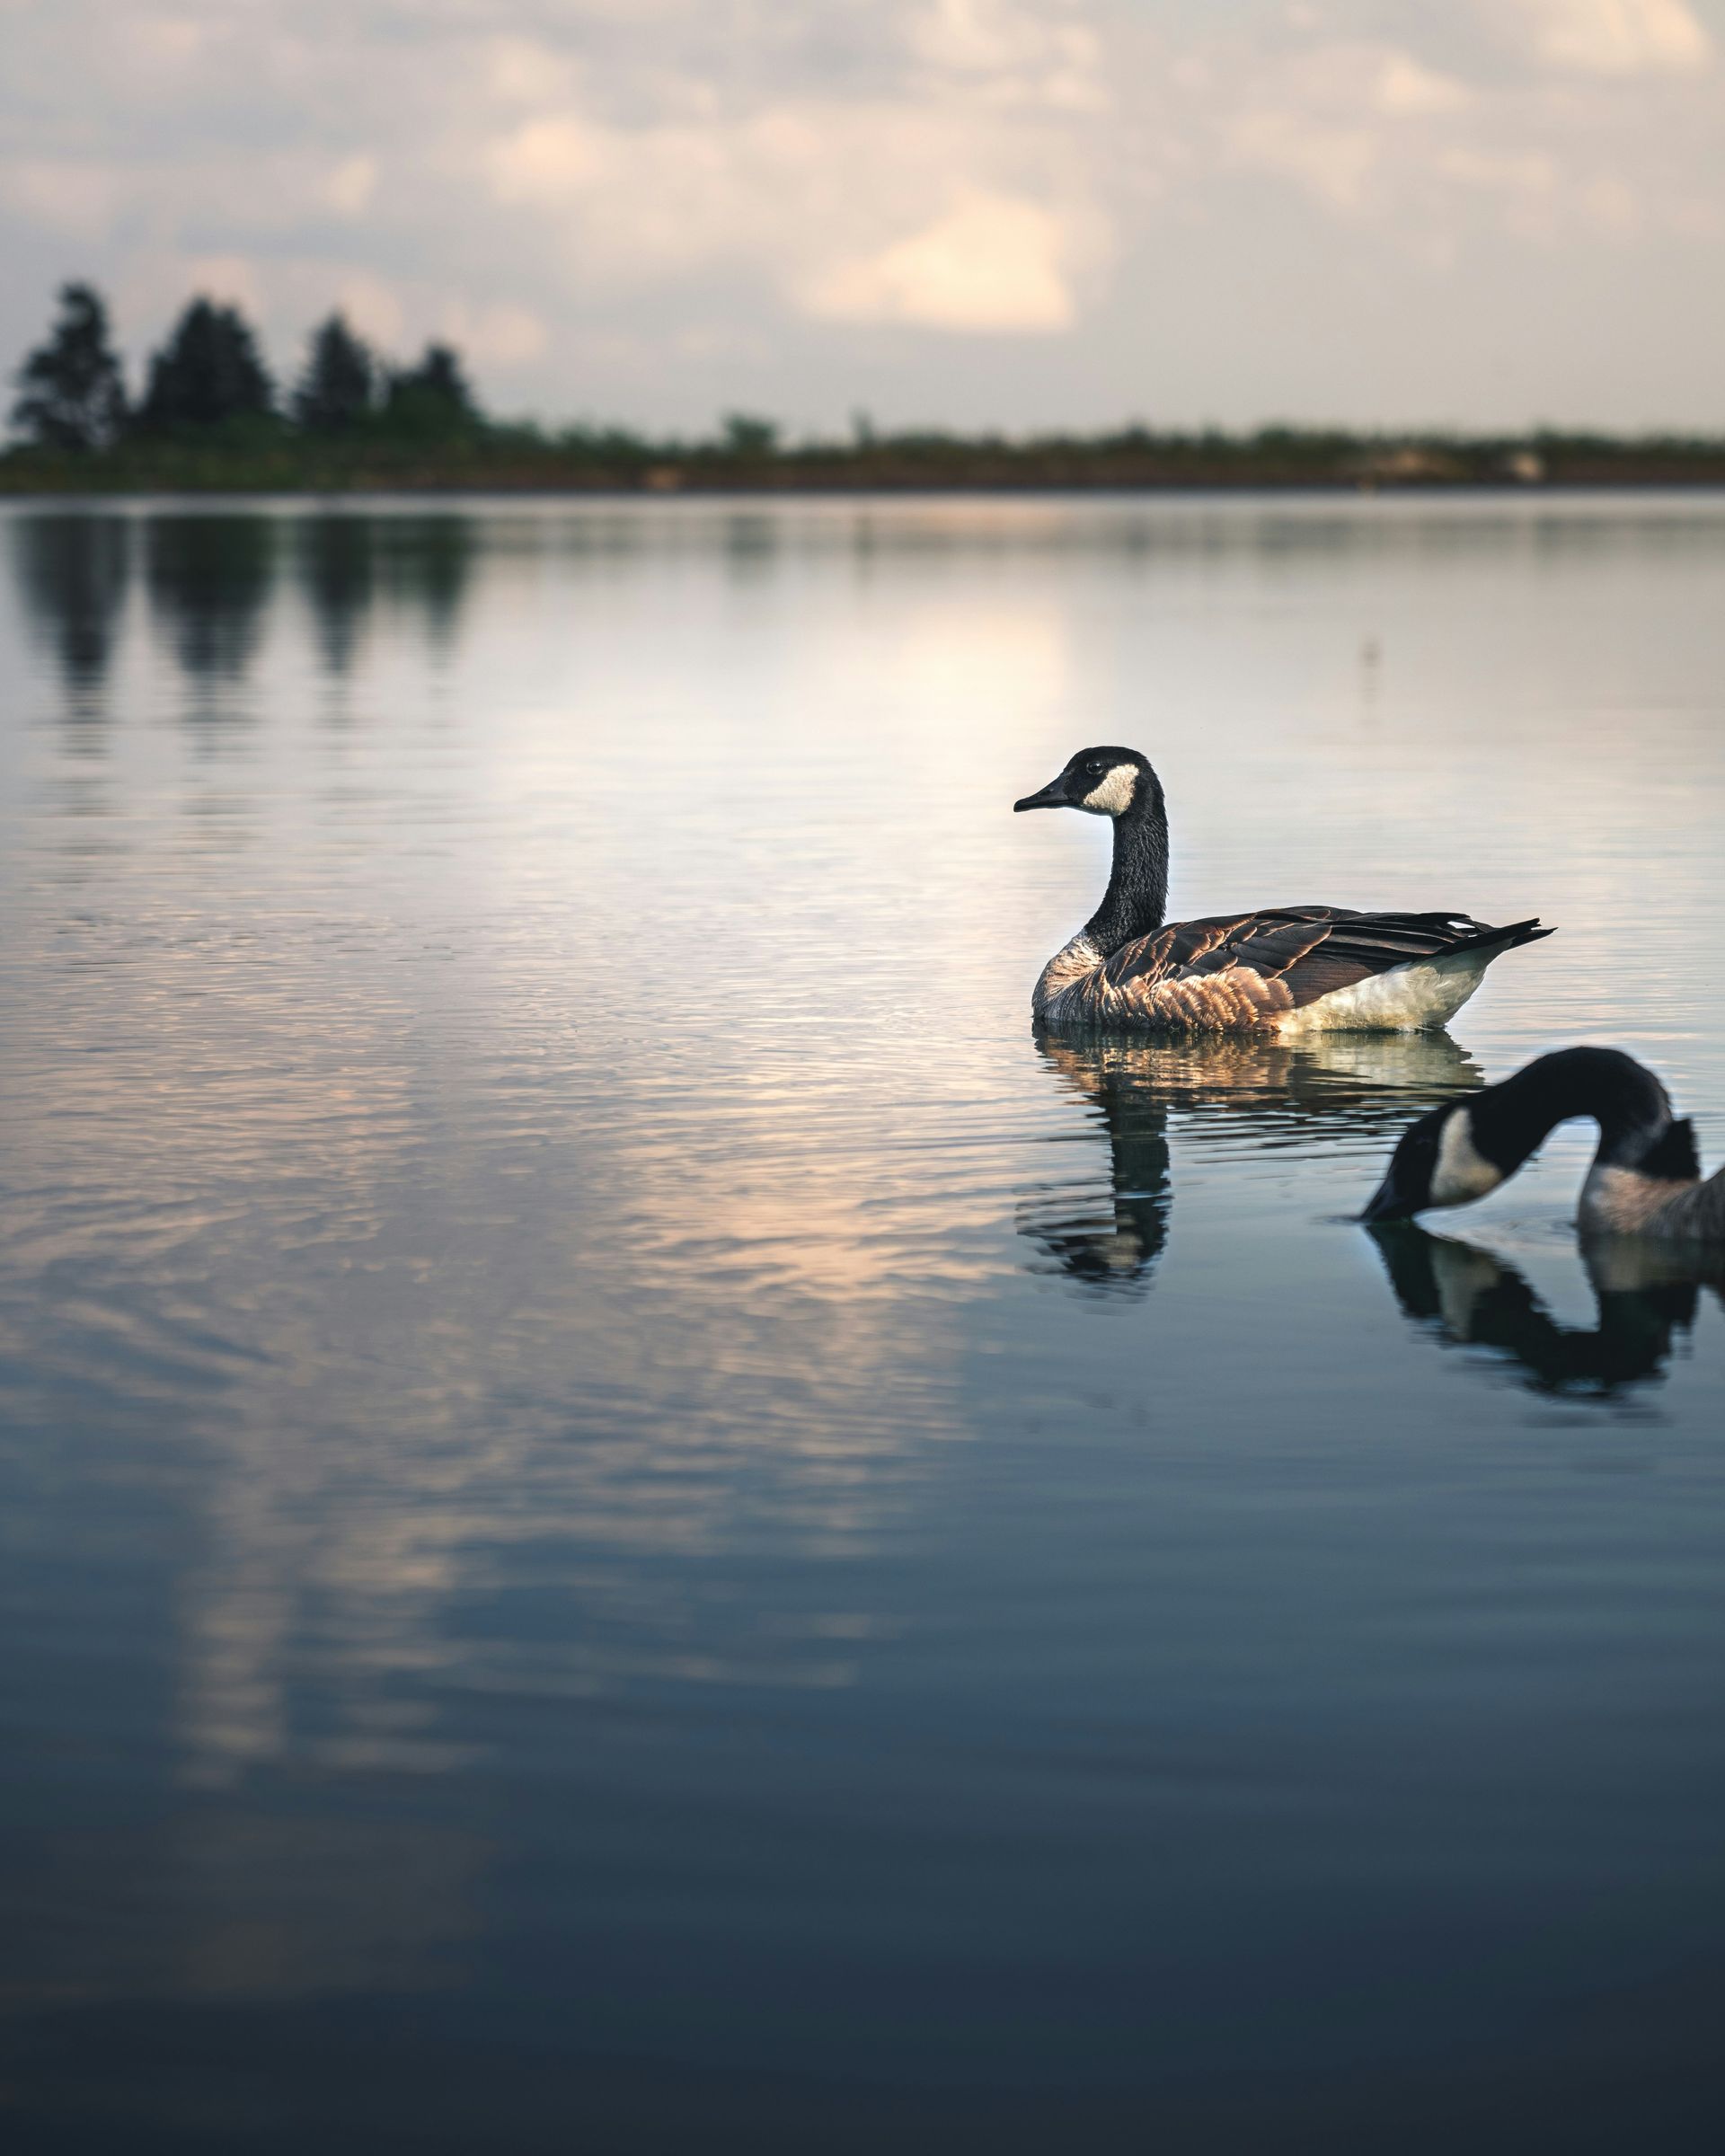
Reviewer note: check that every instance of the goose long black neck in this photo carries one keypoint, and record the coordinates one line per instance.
(1136, 901)
(1510, 1121)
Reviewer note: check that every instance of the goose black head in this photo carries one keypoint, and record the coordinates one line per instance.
(1102, 782)
(1436, 1162)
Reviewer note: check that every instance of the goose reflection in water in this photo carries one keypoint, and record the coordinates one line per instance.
(1468, 1297)
(1275, 1095)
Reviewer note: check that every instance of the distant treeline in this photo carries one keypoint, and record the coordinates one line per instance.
(210, 417)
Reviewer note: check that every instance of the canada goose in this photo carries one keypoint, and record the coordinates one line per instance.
(1287, 970)
(1646, 1176)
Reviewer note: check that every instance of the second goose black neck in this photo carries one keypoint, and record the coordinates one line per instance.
(1137, 898)
(1511, 1120)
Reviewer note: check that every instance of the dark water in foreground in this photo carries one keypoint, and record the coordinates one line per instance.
(628, 1520)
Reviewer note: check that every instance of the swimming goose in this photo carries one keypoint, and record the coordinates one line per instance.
(1287, 970)
(1646, 1176)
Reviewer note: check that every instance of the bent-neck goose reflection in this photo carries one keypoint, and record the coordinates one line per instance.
(1468, 1297)
(1273, 1094)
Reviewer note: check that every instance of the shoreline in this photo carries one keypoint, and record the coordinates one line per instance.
(376, 485)
(503, 462)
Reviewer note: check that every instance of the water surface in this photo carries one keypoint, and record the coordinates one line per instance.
(628, 1519)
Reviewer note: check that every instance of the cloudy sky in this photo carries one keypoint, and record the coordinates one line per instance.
(1002, 212)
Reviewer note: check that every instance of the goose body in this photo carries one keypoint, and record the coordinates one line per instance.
(1645, 1179)
(1286, 970)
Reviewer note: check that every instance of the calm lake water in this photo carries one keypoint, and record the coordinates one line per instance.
(630, 1520)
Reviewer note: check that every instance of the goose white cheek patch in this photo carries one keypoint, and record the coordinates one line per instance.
(1114, 795)
(1463, 1172)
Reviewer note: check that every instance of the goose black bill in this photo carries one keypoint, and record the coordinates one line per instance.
(1386, 1203)
(1052, 796)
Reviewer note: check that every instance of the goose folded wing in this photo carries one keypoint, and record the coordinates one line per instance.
(1359, 945)
(1312, 951)
(1265, 942)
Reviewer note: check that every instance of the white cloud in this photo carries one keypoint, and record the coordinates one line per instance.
(990, 263)
(979, 37)
(373, 308)
(1332, 162)
(351, 185)
(544, 160)
(1610, 37)
(1013, 54)
(859, 213)
(68, 195)
(1344, 119)
(1524, 184)
(1404, 85)
(1379, 138)
(501, 335)
(166, 42)
(525, 71)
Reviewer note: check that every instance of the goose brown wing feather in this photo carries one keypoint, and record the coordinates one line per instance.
(1308, 952)
(1217, 941)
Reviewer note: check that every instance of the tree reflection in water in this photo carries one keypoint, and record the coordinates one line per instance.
(72, 569)
(1467, 1297)
(208, 577)
(335, 558)
(1276, 1095)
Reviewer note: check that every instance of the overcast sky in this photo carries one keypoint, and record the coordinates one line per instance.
(1004, 212)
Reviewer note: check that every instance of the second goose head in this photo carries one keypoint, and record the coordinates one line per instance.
(1438, 1162)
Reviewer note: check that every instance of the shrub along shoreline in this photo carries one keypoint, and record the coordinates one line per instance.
(265, 457)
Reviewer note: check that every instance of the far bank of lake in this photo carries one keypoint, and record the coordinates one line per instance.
(272, 457)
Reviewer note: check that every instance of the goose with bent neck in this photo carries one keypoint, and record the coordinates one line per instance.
(1645, 1179)
(1281, 970)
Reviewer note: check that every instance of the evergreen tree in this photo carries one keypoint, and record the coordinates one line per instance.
(207, 371)
(340, 380)
(72, 394)
(745, 434)
(435, 397)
